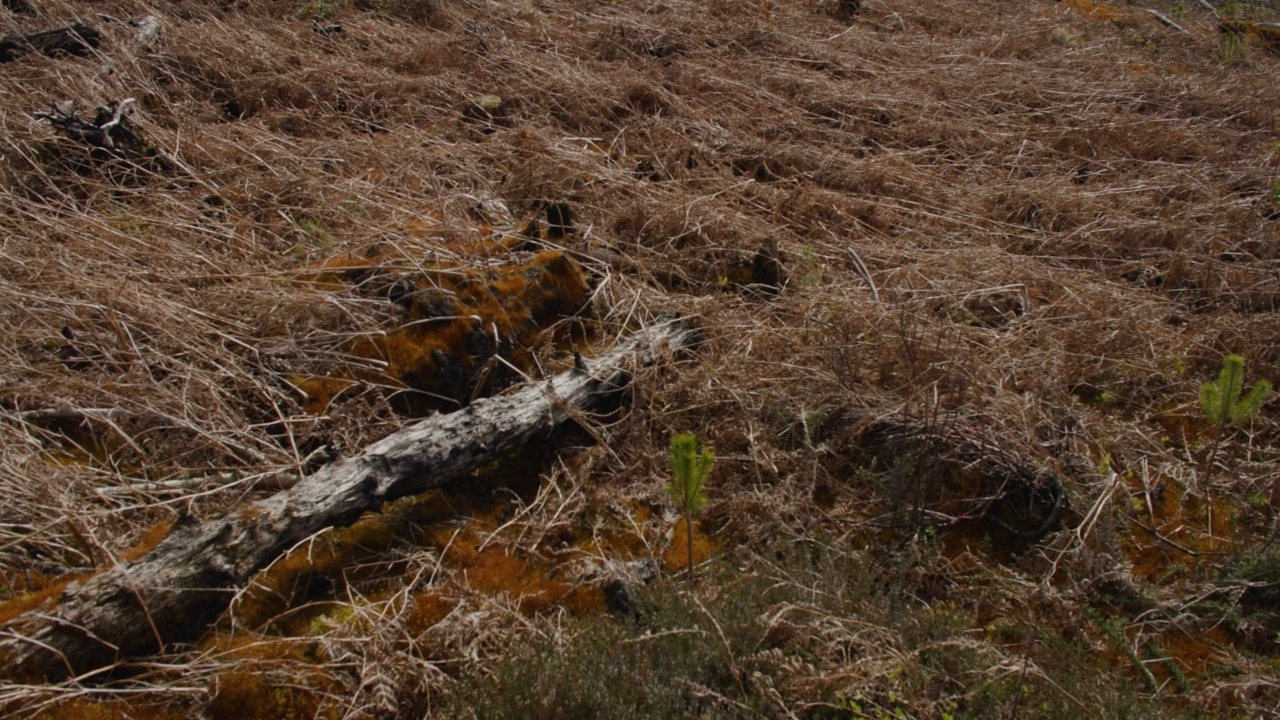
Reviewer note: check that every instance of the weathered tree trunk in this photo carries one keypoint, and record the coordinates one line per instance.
(176, 591)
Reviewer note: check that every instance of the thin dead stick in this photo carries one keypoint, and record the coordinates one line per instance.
(1086, 525)
(664, 633)
(127, 486)
(866, 274)
(1209, 7)
(115, 120)
(1164, 539)
(83, 413)
(1167, 21)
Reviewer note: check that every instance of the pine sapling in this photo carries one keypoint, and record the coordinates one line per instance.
(1223, 405)
(690, 468)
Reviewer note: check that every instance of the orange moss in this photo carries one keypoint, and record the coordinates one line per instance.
(676, 557)
(35, 598)
(583, 600)
(18, 582)
(964, 542)
(337, 274)
(149, 540)
(1196, 656)
(320, 391)
(310, 582)
(302, 585)
(257, 694)
(420, 225)
(1098, 10)
(1183, 422)
(1171, 656)
(248, 696)
(428, 608)
(455, 324)
(250, 646)
(624, 540)
(83, 709)
(1179, 518)
(528, 582)
(1267, 35)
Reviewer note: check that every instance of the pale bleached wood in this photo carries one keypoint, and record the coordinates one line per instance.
(178, 589)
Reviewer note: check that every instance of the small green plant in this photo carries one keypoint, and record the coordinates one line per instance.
(690, 467)
(316, 230)
(1230, 43)
(1063, 35)
(1223, 404)
(810, 268)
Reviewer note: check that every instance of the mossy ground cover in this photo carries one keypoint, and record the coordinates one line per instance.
(947, 255)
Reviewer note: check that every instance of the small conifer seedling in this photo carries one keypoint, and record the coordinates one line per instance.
(690, 468)
(1222, 403)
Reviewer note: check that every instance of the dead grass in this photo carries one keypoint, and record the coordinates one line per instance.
(1068, 211)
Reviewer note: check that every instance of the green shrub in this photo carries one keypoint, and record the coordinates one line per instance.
(807, 630)
(679, 659)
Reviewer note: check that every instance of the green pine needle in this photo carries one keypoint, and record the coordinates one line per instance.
(1250, 404)
(691, 469)
(1221, 399)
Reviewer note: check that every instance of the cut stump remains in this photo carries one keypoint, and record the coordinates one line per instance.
(177, 590)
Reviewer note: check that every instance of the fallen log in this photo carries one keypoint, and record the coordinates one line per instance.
(177, 590)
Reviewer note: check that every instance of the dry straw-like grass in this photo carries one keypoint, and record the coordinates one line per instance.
(1015, 238)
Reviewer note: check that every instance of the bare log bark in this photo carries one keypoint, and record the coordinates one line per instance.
(176, 591)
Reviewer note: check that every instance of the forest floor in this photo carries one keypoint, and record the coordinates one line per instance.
(963, 270)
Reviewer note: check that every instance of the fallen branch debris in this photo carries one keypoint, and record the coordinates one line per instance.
(110, 135)
(182, 586)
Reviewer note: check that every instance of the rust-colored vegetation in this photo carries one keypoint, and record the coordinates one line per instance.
(1097, 10)
(676, 557)
(461, 333)
(32, 590)
(1170, 532)
(113, 710)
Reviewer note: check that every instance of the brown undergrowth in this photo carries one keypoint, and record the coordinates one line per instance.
(963, 270)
